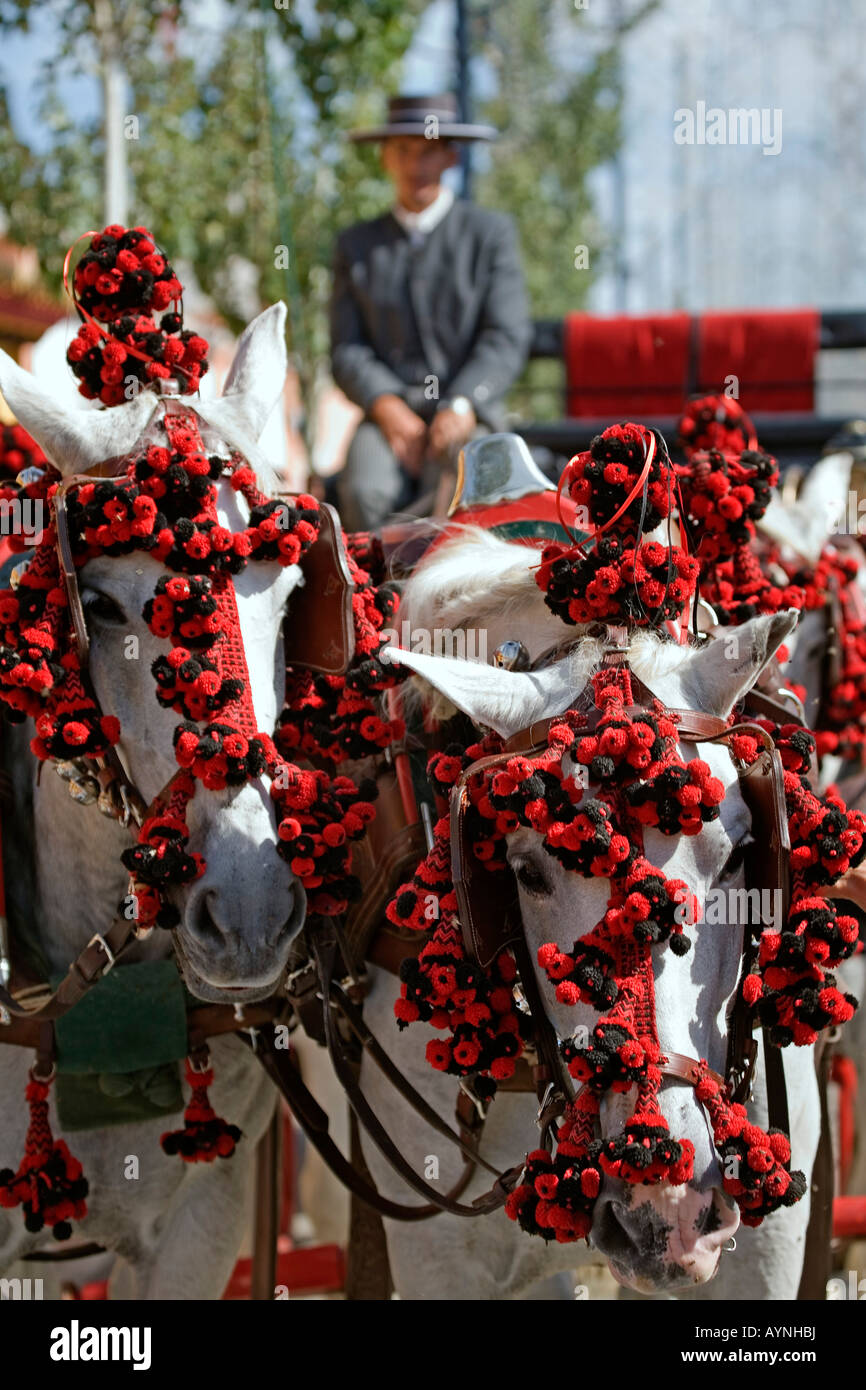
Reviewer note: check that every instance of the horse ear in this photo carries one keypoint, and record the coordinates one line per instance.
(818, 512)
(725, 668)
(74, 440)
(494, 698)
(257, 375)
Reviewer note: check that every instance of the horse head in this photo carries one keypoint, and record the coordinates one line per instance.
(236, 921)
(670, 1234)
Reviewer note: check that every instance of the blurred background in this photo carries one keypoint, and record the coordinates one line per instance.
(221, 125)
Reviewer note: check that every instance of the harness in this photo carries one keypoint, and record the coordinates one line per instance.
(490, 921)
(326, 645)
(488, 903)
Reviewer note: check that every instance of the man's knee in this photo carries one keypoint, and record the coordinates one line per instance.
(372, 482)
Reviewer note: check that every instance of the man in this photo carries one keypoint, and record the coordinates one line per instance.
(429, 319)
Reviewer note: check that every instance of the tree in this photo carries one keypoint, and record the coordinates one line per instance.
(559, 108)
(237, 154)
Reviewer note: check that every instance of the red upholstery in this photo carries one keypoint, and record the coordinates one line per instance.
(772, 353)
(632, 366)
(621, 367)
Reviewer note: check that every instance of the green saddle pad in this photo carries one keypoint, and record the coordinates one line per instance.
(94, 1102)
(118, 1049)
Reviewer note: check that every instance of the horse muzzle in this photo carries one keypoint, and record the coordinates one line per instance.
(662, 1239)
(235, 949)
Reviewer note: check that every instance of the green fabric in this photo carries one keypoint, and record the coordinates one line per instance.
(540, 530)
(95, 1102)
(118, 1049)
(133, 1019)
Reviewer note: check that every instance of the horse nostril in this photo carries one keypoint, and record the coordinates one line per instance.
(610, 1235)
(206, 926)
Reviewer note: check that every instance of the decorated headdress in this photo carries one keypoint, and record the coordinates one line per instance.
(627, 756)
(624, 488)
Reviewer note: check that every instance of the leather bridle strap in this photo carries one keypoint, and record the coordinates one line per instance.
(314, 1123)
(371, 1045)
(98, 957)
(325, 950)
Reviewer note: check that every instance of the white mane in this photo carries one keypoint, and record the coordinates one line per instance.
(478, 581)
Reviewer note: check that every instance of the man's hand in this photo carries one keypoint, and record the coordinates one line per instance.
(450, 430)
(405, 431)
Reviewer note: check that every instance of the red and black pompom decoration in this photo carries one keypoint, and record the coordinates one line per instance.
(120, 283)
(49, 1185)
(623, 485)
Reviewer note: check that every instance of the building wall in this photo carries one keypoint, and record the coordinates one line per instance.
(726, 225)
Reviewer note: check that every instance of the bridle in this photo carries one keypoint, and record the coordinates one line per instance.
(489, 922)
(490, 919)
(325, 645)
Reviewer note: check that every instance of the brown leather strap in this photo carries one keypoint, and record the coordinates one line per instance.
(314, 1123)
(208, 1021)
(692, 725)
(263, 1273)
(321, 632)
(687, 1069)
(324, 945)
(67, 565)
(98, 957)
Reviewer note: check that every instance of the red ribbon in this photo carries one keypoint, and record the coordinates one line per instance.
(104, 333)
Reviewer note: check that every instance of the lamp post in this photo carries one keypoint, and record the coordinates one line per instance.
(464, 99)
(116, 189)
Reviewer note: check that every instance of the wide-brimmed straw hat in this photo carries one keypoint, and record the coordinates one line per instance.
(434, 117)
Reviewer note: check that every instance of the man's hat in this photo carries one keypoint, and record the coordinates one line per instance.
(433, 117)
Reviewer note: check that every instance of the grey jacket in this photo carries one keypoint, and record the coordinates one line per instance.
(454, 310)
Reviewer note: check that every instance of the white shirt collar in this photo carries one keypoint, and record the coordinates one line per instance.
(418, 224)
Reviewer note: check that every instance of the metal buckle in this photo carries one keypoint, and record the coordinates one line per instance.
(308, 967)
(112, 959)
(785, 694)
(45, 1080)
(551, 1086)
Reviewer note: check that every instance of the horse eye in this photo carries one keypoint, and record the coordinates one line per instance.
(103, 608)
(737, 857)
(530, 878)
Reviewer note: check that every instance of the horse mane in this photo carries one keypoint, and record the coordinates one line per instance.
(475, 577)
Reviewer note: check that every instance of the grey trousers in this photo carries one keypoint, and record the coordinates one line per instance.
(374, 485)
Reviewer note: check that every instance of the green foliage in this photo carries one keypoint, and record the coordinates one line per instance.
(556, 127)
(241, 142)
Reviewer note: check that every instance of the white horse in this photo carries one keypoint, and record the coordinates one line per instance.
(477, 580)
(802, 526)
(178, 1225)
